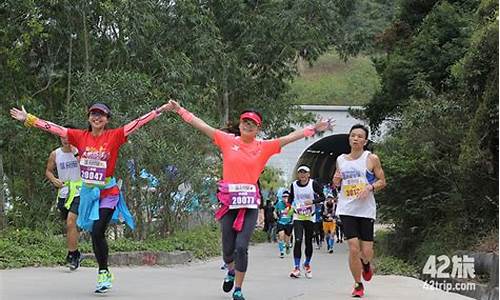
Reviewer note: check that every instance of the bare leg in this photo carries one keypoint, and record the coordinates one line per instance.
(354, 259)
(366, 251)
(72, 233)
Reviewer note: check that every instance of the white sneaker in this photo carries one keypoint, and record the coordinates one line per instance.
(308, 272)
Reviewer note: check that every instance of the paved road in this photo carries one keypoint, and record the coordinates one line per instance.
(267, 278)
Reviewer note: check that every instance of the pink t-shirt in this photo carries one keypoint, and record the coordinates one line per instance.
(244, 162)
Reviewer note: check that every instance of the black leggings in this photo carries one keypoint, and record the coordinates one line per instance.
(99, 243)
(301, 228)
(318, 233)
(235, 244)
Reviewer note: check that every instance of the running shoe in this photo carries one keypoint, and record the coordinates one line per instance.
(295, 273)
(237, 295)
(104, 281)
(228, 283)
(331, 250)
(367, 271)
(69, 258)
(282, 255)
(308, 271)
(358, 291)
(75, 261)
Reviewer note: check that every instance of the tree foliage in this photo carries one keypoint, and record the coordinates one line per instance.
(441, 157)
(217, 57)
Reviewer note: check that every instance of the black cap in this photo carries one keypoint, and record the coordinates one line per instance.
(100, 107)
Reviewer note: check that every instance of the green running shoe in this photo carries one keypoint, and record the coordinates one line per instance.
(104, 281)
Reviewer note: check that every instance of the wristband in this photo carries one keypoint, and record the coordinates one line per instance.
(186, 115)
(30, 120)
(309, 131)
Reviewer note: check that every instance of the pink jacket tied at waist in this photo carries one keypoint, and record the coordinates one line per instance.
(225, 200)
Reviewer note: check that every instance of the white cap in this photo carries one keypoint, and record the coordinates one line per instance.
(304, 168)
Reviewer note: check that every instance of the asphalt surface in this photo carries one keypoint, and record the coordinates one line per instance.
(267, 278)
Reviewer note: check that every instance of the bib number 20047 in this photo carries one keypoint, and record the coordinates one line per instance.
(93, 171)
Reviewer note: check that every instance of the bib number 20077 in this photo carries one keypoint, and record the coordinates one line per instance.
(243, 196)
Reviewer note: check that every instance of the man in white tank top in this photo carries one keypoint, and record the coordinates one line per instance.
(358, 174)
(68, 183)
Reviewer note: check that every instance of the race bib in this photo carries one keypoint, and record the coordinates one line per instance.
(284, 213)
(304, 210)
(353, 190)
(243, 196)
(93, 171)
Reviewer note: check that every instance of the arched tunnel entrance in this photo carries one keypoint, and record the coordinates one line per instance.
(322, 156)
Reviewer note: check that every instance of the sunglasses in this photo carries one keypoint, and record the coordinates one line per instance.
(250, 123)
(98, 113)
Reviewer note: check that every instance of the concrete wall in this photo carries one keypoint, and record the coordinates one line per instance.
(290, 154)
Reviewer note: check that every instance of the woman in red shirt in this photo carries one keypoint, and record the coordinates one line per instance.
(243, 159)
(100, 198)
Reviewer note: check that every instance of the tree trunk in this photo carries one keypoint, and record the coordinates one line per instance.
(86, 42)
(3, 223)
(68, 88)
(224, 121)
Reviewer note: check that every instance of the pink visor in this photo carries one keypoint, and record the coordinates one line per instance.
(252, 116)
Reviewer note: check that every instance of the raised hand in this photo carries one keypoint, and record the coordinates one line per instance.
(174, 105)
(323, 125)
(164, 107)
(19, 115)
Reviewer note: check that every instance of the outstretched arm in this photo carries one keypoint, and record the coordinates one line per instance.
(32, 121)
(139, 122)
(192, 119)
(308, 131)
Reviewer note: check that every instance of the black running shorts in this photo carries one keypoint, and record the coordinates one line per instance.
(73, 208)
(358, 227)
(287, 228)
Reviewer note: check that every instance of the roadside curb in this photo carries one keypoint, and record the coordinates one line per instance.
(146, 258)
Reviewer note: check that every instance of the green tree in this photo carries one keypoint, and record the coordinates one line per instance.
(441, 156)
(218, 57)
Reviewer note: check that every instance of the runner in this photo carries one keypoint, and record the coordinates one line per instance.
(243, 160)
(270, 221)
(68, 183)
(304, 193)
(100, 197)
(318, 234)
(339, 228)
(284, 213)
(329, 222)
(359, 174)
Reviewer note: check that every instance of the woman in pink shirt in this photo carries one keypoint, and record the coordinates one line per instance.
(243, 159)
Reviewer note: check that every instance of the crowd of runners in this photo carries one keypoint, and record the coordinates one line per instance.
(89, 198)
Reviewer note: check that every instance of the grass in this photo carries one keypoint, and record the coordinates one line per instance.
(25, 247)
(389, 265)
(331, 81)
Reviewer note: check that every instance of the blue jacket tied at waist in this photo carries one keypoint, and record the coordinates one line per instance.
(88, 210)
